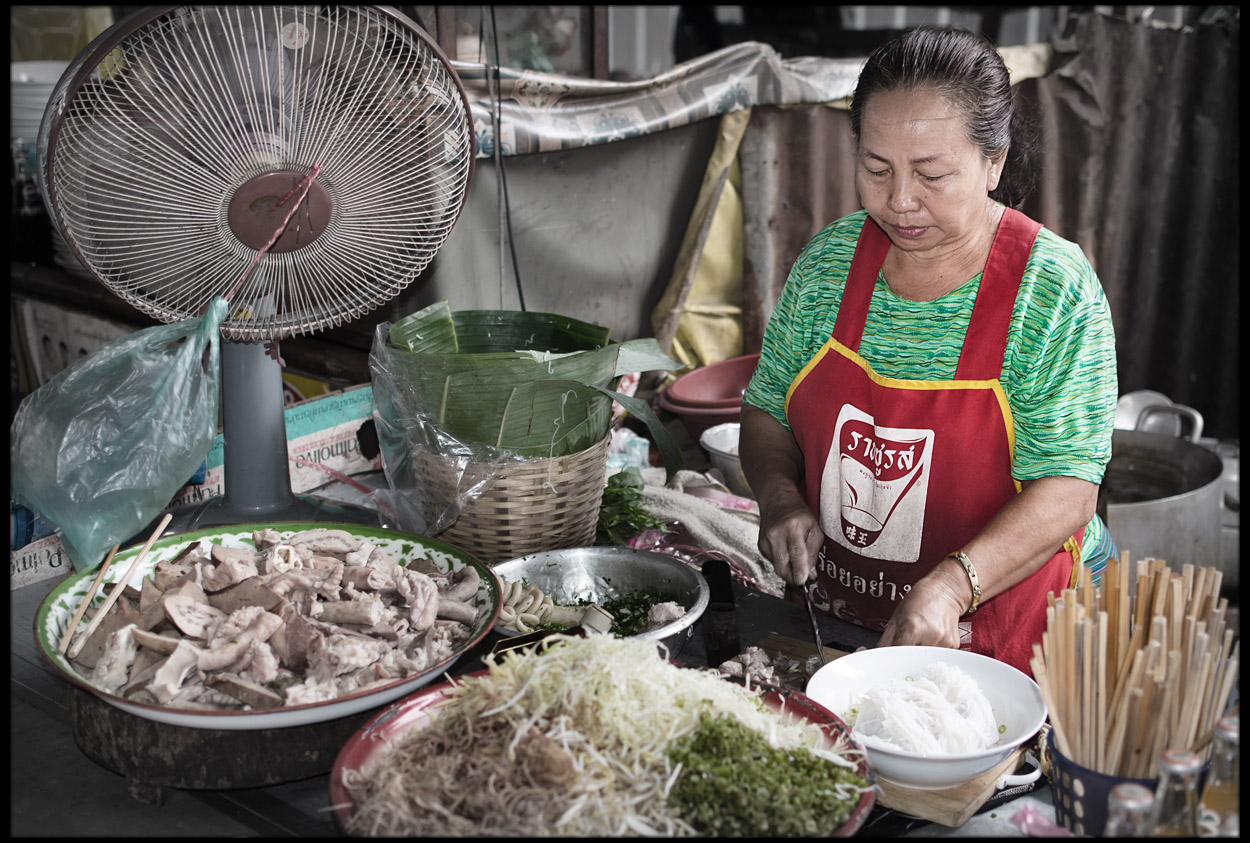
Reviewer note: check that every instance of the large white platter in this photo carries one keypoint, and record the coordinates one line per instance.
(58, 608)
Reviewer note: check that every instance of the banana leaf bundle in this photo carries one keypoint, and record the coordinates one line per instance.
(528, 384)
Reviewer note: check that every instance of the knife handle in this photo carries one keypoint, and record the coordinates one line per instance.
(720, 623)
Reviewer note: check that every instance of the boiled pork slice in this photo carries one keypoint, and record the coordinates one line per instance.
(113, 668)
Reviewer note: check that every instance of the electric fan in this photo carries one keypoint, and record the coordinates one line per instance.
(303, 162)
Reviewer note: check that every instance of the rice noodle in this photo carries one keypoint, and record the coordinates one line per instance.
(941, 712)
(572, 741)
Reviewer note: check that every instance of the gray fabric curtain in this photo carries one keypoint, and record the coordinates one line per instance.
(1140, 167)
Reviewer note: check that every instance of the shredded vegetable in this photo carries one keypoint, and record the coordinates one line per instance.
(571, 739)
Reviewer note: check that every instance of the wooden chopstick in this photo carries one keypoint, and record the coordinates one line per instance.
(1100, 695)
(1137, 663)
(86, 601)
(1038, 665)
(120, 586)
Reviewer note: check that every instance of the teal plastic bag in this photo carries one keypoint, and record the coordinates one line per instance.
(101, 449)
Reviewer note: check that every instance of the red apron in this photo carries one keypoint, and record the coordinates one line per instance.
(904, 472)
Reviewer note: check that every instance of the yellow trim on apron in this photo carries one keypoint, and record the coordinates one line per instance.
(901, 383)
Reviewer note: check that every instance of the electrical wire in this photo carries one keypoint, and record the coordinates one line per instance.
(502, 171)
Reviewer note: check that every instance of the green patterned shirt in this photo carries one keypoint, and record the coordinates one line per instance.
(1059, 368)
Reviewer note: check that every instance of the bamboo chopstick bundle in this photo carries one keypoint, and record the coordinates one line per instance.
(1139, 663)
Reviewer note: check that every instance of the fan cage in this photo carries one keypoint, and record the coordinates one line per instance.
(158, 124)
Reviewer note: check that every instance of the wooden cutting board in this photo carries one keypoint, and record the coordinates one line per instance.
(794, 648)
(951, 807)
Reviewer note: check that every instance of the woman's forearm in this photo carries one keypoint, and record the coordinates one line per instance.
(790, 535)
(1017, 541)
(771, 460)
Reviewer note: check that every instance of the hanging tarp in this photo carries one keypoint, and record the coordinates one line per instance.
(544, 112)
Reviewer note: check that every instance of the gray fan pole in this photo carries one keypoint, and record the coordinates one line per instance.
(256, 466)
(257, 472)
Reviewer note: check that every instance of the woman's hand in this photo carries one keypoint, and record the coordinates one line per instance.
(1015, 543)
(929, 615)
(790, 534)
(790, 538)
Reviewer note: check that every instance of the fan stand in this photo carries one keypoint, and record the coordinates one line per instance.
(257, 467)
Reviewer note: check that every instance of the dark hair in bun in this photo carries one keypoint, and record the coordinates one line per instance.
(966, 68)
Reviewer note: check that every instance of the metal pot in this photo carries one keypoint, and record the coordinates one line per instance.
(1161, 498)
(1154, 412)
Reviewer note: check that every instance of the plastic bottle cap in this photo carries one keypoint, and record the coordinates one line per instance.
(1229, 727)
(1178, 760)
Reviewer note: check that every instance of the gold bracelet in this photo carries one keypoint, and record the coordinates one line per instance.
(963, 559)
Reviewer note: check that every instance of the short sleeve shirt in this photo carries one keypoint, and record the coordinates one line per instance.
(1059, 367)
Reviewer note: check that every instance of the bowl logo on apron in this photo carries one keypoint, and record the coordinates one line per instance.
(874, 487)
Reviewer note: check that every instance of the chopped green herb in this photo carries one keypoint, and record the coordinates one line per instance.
(621, 513)
(629, 612)
(734, 783)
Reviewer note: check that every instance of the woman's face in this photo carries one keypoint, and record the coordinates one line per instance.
(918, 175)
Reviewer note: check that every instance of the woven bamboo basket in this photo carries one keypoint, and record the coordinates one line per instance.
(530, 506)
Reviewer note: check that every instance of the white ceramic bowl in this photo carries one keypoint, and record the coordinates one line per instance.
(721, 444)
(1014, 697)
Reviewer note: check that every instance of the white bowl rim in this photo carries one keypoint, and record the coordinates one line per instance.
(708, 436)
(937, 654)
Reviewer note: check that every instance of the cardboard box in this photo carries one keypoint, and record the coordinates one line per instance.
(37, 561)
(321, 440)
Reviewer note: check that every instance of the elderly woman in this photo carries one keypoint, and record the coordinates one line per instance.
(933, 408)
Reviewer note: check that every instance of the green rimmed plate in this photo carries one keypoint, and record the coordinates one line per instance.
(58, 608)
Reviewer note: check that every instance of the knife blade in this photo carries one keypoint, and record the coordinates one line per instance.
(811, 615)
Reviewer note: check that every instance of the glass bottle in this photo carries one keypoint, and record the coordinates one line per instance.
(1175, 812)
(1128, 810)
(1221, 796)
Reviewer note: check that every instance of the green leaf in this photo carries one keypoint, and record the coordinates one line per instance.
(621, 512)
(428, 331)
(644, 355)
(670, 452)
(436, 330)
(508, 330)
(536, 384)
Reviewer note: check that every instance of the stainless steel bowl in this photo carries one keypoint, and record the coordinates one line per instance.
(603, 573)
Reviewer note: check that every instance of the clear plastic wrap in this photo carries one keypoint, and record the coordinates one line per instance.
(100, 450)
(411, 438)
(407, 429)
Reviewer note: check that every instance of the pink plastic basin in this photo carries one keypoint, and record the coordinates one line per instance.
(716, 385)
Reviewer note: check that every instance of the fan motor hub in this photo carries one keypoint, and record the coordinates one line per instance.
(256, 211)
